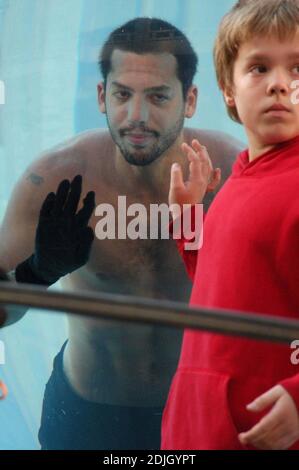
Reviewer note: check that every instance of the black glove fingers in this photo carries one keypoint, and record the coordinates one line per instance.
(85, 240)
(73, 196)
(61, 196)
(62, 245)
(85, 213)
(89, 237)
(47, 205)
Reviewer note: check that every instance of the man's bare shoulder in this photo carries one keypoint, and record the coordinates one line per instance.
(211, 138)
(223, 148)
(75, 156)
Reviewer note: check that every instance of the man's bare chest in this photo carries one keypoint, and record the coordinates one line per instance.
(132, 252)
(138, 267)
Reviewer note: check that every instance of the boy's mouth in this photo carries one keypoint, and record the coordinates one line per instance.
(277, 107)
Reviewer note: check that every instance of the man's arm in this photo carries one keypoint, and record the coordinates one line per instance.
(17, 235)
(18, 228)
(62, 240)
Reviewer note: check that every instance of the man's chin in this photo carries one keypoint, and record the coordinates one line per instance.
(139, 160)
(139, 157)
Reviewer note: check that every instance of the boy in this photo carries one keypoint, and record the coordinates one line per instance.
(236, 393)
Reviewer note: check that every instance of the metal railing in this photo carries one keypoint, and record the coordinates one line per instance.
(164, 313)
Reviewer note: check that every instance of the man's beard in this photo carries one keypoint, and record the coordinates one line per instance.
(146, 157)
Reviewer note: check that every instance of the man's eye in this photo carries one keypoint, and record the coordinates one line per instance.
(295, 69)
(158, 98)
(121, 95)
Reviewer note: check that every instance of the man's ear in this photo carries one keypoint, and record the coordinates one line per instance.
(101, 97)
(191, 101)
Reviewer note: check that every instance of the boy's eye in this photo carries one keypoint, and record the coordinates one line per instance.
(259, 69)
(295, 69)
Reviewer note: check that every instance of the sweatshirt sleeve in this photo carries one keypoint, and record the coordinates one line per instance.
(287, 253)
(184, 242)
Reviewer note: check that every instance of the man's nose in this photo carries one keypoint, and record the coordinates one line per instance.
(279, 83)
(138, 110)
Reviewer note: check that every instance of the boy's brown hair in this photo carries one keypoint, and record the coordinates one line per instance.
(247, 19)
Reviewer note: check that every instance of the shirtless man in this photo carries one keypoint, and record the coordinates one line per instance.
(111, 379)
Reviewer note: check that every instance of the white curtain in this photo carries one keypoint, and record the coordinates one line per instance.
(38, 64)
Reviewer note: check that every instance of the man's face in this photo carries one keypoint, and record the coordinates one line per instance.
(263, 73)
(144, 104)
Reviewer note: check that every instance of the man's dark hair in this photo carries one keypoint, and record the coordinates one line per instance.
(151, 36)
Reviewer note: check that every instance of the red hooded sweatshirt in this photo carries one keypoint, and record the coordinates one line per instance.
(249, 262)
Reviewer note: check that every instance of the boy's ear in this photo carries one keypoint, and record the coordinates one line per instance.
(101, 97)
(229, 97)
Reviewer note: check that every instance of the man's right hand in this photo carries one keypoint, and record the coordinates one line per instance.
(202, 177)
(63, 239)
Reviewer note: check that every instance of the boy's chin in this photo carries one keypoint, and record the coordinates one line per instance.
(274, 138)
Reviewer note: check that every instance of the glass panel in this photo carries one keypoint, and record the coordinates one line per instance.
(105, 390)
(116, 376)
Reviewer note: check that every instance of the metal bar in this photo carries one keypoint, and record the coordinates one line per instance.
(165, 313)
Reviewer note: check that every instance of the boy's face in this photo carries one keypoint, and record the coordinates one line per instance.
(263, 73)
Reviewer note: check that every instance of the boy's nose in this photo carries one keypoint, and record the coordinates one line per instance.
(279, 83)
(138, 110)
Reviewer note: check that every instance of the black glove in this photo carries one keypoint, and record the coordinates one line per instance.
(63, 239)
